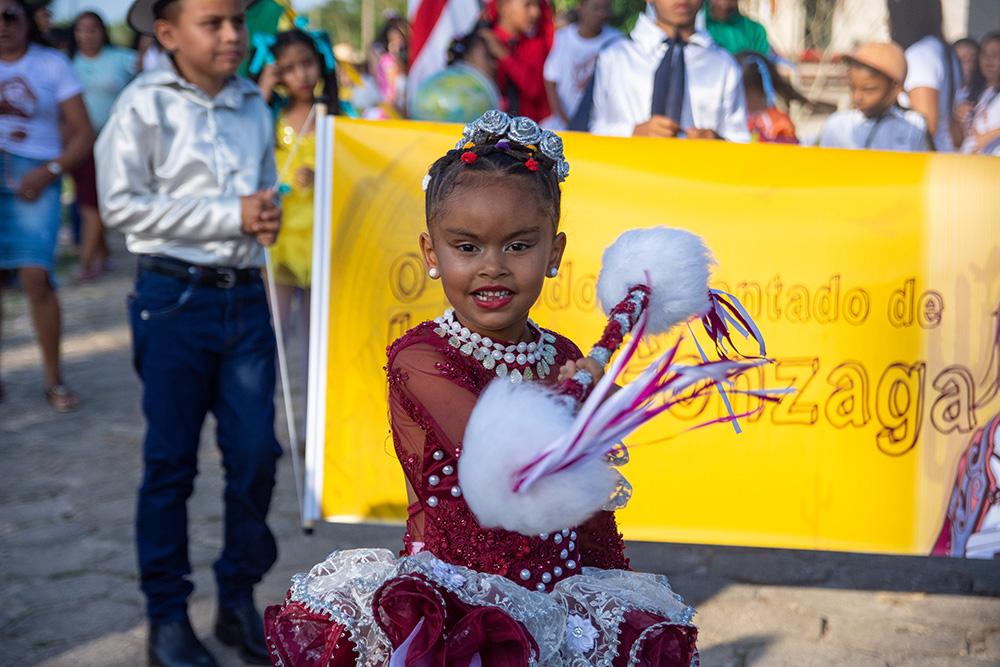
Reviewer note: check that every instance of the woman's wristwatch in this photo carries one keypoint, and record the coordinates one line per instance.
(54, 168)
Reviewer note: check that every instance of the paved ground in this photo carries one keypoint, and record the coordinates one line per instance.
(68, 591)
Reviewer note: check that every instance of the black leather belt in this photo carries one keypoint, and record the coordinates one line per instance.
(211, 276)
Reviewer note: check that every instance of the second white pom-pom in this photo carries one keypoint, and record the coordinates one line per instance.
(505, 431)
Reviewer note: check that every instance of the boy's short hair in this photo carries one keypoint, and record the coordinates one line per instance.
(165, 9)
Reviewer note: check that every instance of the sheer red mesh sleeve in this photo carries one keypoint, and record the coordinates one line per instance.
(601, 544)
(428, 412)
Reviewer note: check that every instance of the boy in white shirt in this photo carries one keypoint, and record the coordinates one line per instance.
(571, 62)
(186, 169)
(876, 74)
(669, 80)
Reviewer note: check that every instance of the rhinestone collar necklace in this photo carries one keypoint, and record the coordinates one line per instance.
(519, 361)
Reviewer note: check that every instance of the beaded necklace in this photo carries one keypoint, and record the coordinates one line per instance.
(519, 362)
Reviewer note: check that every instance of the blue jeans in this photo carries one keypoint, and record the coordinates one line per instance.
(199, 349)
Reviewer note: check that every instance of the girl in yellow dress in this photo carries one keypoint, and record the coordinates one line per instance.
(302, 64)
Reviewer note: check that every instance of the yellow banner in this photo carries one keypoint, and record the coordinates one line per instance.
(874, 276)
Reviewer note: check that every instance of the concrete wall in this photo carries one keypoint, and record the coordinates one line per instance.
(858, 21)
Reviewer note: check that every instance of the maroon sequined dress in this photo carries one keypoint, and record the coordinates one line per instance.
(460, 594)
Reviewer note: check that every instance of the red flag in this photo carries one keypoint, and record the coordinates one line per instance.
(433, 25)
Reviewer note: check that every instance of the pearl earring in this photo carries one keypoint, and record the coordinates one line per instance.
(553, 272)
(433, 273)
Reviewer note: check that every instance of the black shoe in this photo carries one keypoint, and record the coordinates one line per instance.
(243, 627)
(174, 644)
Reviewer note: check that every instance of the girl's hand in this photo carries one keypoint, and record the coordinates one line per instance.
(963, 111)
(304, 177)
(267, 81)
(570, 368)
(985, 139)
(34, 183)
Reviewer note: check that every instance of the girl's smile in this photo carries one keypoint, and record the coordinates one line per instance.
(493, 297)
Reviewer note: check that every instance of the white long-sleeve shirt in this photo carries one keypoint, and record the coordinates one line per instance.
(172, 164)
(623, 85)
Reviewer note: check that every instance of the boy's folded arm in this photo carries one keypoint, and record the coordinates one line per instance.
(129, 205)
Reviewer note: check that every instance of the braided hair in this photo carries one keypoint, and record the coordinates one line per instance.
(495, 156)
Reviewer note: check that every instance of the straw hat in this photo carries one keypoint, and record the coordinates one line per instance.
(141, 16)
(884, 57)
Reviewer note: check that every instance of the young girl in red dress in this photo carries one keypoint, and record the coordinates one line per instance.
(461, 594)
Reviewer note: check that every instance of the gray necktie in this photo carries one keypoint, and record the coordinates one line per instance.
(669, 82)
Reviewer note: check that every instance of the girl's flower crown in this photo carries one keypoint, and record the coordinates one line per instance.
(497, 128)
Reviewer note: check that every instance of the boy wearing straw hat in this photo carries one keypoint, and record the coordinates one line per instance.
(186, 170)
(875, 75)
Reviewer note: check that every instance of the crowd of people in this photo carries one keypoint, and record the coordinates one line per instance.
(199, 168)
(575, 71)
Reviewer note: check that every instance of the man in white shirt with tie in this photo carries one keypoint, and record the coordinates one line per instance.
(669, 80)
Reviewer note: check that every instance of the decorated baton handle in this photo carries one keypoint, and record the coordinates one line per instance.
(621, 320)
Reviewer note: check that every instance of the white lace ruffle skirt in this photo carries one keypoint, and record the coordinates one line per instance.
(587, 620)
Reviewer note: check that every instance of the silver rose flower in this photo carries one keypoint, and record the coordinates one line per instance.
(562, 170)
(468, 134)
(551, 145)
(492, 122)
(524, 131)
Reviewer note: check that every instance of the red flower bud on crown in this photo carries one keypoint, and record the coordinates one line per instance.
(468, 157)
(531, 164)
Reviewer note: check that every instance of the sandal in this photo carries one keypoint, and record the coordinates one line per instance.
(62, 399)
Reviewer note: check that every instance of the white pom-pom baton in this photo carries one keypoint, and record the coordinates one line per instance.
(551, 472)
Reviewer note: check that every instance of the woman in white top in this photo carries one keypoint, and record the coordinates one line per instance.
(984, 130)
(934, 74)
(40, 103)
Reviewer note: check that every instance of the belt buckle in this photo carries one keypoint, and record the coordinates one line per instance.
(227, 278)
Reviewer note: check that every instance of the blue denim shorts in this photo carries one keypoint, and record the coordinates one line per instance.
(29, 231)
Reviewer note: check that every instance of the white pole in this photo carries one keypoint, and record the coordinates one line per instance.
(286, 386)
(318, 320)
(279, 333)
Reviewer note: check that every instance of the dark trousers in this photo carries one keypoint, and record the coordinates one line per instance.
(198, 349)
